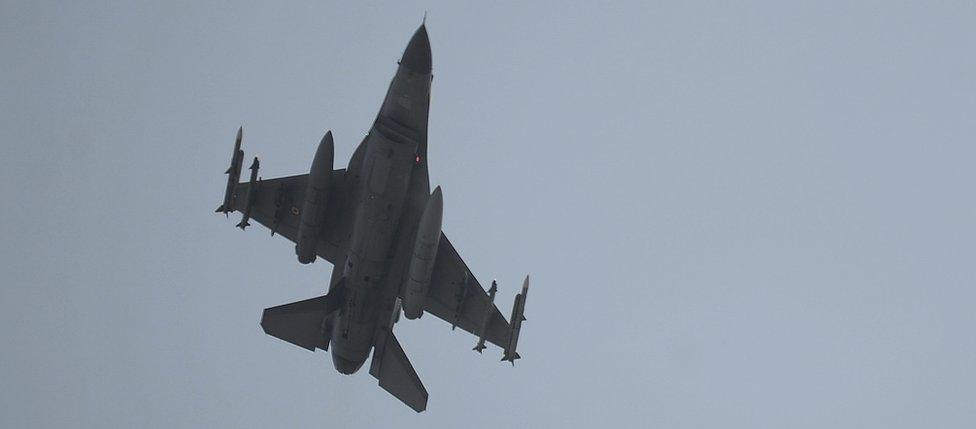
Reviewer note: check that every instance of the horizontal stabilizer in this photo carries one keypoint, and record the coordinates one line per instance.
(396, 375)
(302, 323)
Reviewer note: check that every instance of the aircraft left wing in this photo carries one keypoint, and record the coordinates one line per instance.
(456, 297)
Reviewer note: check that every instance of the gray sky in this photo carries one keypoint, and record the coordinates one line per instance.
(758, 215)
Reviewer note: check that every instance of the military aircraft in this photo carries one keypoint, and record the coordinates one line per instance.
(379, 224)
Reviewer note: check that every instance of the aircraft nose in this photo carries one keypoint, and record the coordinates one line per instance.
(345, 366)
(417, 55)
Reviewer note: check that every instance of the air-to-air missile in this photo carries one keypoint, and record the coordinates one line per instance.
(424, 253)
(484, 323)
(233, 174)
(518, 310)
(316, 195)
(252, 192)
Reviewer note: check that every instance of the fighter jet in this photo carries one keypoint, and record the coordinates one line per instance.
(379, 224)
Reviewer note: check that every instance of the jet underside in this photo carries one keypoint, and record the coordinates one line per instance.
(379, 224)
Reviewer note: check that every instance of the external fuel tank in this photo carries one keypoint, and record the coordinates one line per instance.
(316, 196)
(424, 253)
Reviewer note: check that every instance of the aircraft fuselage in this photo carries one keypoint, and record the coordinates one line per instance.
(392, 152)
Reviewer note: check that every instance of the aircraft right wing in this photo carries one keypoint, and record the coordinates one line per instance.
(456, 297)
(277, 203)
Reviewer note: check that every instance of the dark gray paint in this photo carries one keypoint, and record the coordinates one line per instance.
(764, 209)
(370, 225)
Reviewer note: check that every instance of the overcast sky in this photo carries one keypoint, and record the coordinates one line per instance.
(745, 216)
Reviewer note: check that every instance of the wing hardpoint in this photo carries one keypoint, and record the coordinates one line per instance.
(456, 297)
(277, 204)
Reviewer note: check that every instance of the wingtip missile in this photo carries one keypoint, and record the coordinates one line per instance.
(233, 174)
(525, 293)
(518, 315)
